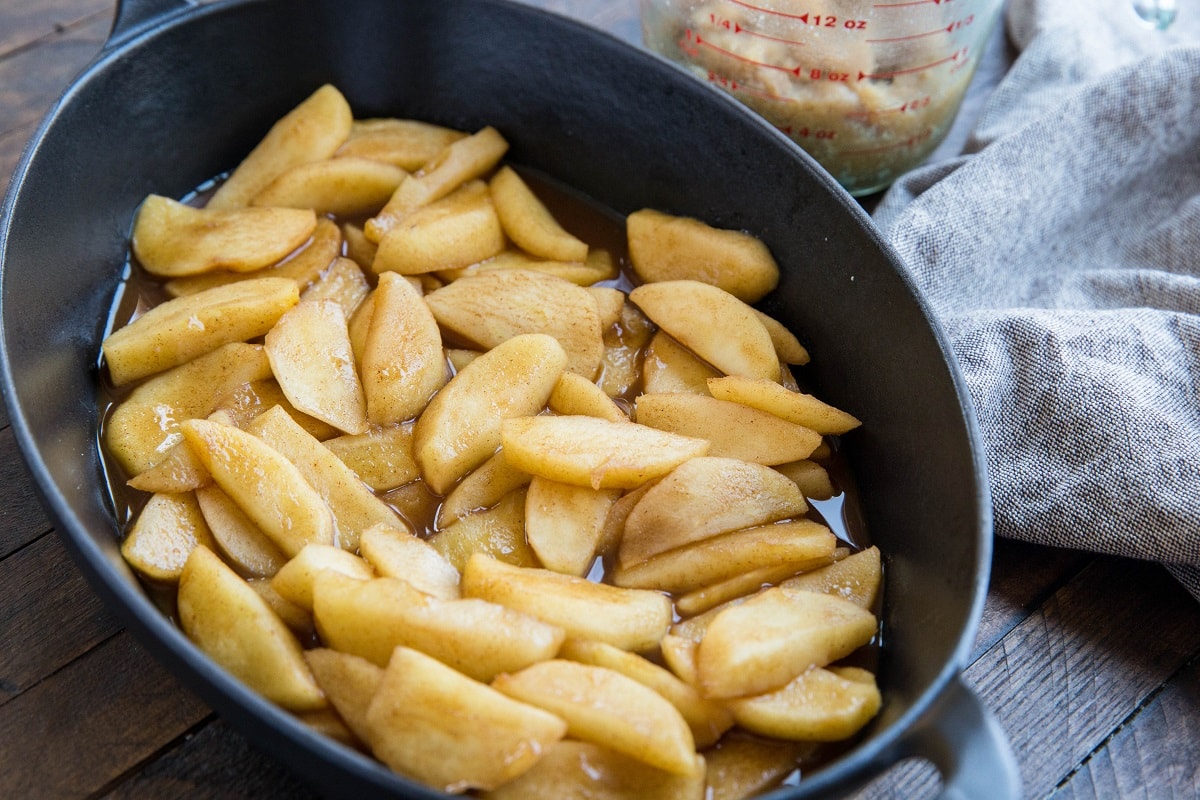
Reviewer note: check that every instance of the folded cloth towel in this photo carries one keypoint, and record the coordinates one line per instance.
(1061, 254)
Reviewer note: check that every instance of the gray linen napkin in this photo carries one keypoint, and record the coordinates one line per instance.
(1061, 253)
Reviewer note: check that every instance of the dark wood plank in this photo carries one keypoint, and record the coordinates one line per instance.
(1159, 747)
(33, 78)
(27, 23)
(1069, 675)
(75, 732)
(49, 616)
(214, 762)
(1023, 576)
(22, 518)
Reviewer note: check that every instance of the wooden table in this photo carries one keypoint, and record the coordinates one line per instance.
(1089, 663)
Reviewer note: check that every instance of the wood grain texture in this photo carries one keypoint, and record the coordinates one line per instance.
(29, 24)
(215, 762)
(1159, 747)
(1092, 665)
(47, 607)
(32, 78)
(104, 714)
(21, 516)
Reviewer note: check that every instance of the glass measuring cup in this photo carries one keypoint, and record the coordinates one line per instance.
(868, 87)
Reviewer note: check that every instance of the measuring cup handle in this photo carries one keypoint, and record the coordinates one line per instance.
(134, 16)
(970, 749)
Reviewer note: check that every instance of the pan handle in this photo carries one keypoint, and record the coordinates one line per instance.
(965, 742)
(133, 16)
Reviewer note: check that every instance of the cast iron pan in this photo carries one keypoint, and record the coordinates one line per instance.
(181, 92)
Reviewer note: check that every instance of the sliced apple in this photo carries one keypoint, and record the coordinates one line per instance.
(264, 484)
(179, 330)
(631, 619)
(688, 309)
(345, 187)
(704, 497)
(708, 720)
(405, 143)
(762, 644)
(821, 705)
(476, 637)
(588, 451)
(461, 428)
(312, 131)
(165, 533)
(145, 425)
(603, 706)
(460, 161)
(802, 409)
(799, 544)
(296, 578)
(668, 366)
(382, 457)
(303, 266)
(440, 727)
(354, 506)
(310, 354)
(238, 539)
(665, 247)
(237, 629)
(172, 239)
(460, 229)
(563, 523)
(602, 774)
(529, 223)
(498, 531)
(488, 308)
(399, 554)
(402, 360)
(735, 430)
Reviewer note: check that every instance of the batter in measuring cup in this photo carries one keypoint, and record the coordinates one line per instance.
(867, 91)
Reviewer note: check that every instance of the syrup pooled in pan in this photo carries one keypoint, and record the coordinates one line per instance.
(419, 506)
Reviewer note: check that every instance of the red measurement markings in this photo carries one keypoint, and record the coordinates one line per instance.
(957, 25)
(820, 20)
(911, 105)
(693, 40)
(771, 11)
(911, 141)
(959, 56)
(736, 28)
